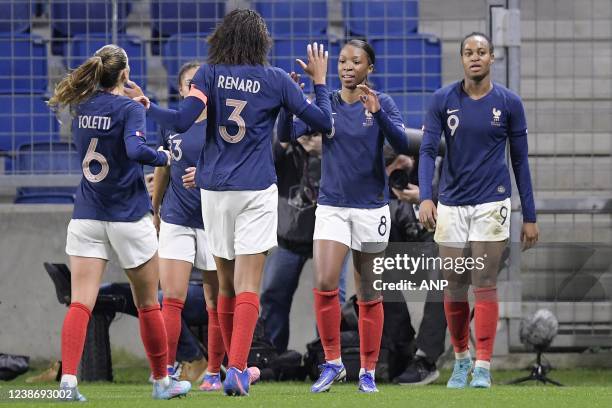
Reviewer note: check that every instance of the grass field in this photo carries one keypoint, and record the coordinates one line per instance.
(584, 388)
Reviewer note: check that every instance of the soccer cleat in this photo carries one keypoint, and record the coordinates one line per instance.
(459, 377)
(173, 371)
(419, 372)
(70, 394)
(211, 382)
(175, 389)
(236, 382)
(329, 373)
(254, 374)
(481, 378)
(367, 383)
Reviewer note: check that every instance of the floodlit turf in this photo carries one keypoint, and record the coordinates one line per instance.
(585, 388)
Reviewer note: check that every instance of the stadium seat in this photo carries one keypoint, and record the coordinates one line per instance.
(84, 46)
(410, 64)
(25, 119)
(45, 198)
(381, 18)
(179, 49)
(285, 52)
(23, 64)
(45, 158)
(293, 18)
(413, 106)
(15, 16)
(171, 17)
(70, 18)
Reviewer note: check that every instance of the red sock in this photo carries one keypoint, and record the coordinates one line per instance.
(327, 311)
(216, 350)
(371, 320)
(171, 311)
(225, 313)
(154, 339)
(486, 314)
(458, 319)
(245, 319)
(73, 336)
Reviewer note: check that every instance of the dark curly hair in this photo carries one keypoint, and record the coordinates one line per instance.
(242, 38)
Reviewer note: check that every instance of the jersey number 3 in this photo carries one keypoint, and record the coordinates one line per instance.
(238, 106)
(93, 156)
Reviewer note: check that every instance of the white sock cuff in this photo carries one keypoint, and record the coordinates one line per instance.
(483, 364)
(337, 361)
(462, 354)
(69, 379)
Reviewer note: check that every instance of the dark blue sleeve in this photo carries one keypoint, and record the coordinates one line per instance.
(134, 137)
(318, 115)
(180, 120)
(519, 157)
(432, 132)
(391, 124)
(290, 129)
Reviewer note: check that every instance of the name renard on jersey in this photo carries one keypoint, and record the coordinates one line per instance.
(94, 122)
(238, 84)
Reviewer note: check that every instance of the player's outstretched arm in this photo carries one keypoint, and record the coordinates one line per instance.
(180, 120)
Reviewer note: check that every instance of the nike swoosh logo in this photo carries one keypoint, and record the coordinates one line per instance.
(333, 113)
(173, 136)
(448, 111)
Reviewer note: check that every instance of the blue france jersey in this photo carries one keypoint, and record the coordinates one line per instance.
(112, 187)
(476, 132)
(181, 206)
(243, 102)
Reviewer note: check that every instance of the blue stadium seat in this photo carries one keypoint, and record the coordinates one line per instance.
(45, 198)
(25, 119)
(285, 52)
(180, 49)
(47, 157)
(23, 64)
(170, 17)
(411, 64)
(84, 46)
(413, 106)
(15, 16)
(381, 17)
(70, 18)
(293, 18)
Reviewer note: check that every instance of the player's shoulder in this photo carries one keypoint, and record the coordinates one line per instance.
(506, 93)
(123, 102)
(448, 90)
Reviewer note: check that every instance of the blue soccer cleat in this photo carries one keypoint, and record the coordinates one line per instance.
(367, 383)
(459, 377)
(481, 378)
(236, 382)
(70, 394)
(329, 373)
(211, 382)
(175, 389)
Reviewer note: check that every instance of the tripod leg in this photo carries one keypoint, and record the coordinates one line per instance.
(548, 380)
(520, 380)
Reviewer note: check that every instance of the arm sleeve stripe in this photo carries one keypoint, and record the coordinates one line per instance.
(193, 91)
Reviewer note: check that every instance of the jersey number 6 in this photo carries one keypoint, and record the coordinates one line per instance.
(238, 106)
(91, 156)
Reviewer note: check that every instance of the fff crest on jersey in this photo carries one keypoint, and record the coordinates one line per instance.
(496, 115)
(369, 119)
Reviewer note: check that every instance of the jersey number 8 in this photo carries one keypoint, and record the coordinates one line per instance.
(238, 106)
(92, 156)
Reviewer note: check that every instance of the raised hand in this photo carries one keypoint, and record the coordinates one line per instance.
(316, 68)
(143, 100)
(369, 99)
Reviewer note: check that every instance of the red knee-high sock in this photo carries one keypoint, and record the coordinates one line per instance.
(216, 350)
(371, 320)
(73, 336)
(154, 339)
(171, 311)
(245, 319)
(225, 313)
(486, 314)
(458, 319)
(327, 311)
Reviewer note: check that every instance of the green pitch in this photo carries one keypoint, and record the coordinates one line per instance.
(584, 388)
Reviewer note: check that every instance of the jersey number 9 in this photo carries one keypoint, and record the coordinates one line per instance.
(92, 156)
(238, 106)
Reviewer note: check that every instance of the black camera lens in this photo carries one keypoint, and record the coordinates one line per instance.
(399, 179)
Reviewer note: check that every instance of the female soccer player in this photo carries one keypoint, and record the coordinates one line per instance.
(111, 210)
(352, 210)
(236, 169)
(478, 117)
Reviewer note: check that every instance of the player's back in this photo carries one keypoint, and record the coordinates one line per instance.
(112, 187)
(243, 102)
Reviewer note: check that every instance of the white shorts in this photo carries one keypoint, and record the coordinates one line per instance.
(458, 225)
(185, 244)
(133, 242)
(354, 226)
(240, 222)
